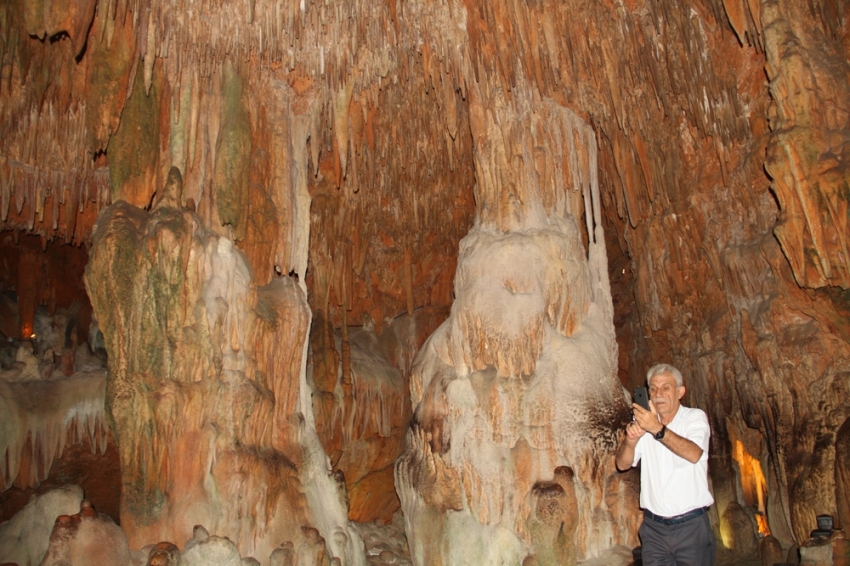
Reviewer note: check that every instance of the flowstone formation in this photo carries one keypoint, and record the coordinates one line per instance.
(40, 416)
(206, 388)
(362, 409)
(516, 398)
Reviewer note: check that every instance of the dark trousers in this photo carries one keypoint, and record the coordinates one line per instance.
(687, 544)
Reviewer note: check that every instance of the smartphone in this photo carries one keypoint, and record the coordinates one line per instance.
(641, 397)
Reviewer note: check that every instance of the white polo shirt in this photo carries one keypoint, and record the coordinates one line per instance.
(669, 484)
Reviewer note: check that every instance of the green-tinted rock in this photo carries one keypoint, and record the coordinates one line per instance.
(110, 66)
(135, 146)
(233, 151)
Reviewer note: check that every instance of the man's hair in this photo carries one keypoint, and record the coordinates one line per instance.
(659, 369)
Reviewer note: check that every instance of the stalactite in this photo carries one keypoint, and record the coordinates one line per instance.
(44, 416)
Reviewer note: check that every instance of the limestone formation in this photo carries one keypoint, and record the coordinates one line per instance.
(770, 551)
(164, 554)
(40, 416)
(206, 391)
(24, 539)
(361, 410)
(205, 549)
(87, 536)
(738, 532)
(510, 401)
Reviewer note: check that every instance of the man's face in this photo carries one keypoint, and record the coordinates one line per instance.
(664, 394)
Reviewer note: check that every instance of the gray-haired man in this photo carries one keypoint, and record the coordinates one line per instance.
(671, 442)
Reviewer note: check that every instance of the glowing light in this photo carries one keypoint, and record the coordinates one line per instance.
(27, 329)
(753, 484)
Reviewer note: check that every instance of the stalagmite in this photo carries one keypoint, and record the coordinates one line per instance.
(25, 538)
(505, 396)
(208, 408)
(87, 535)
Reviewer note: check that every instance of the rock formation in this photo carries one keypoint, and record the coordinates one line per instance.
(362, 406)
(25, 539)
(720, 283)
(87, 536)
(507, 396)
(51, 397)
(206, 387)
(334, 156)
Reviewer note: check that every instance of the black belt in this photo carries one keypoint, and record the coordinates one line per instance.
(678, 518)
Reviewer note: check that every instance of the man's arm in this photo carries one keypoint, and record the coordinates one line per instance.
(678, 445)
(681, 446)
(626, 451)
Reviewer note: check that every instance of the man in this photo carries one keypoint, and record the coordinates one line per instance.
(671, 442)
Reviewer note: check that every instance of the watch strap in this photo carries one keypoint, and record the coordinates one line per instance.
(660, 434)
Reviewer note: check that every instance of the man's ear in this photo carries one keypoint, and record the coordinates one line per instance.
(681, 391)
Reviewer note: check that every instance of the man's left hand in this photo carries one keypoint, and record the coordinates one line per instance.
(647, 420)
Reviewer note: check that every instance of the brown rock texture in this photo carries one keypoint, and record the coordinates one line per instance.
(733, 276)
(361, 399)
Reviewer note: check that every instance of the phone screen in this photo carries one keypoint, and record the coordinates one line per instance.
(641, 397)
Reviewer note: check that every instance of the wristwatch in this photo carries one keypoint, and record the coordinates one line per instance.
(660, 434)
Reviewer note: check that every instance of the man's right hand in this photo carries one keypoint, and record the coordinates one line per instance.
(626, 451)
(633, 433)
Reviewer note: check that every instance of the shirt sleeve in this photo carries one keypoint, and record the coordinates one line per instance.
(638, 450)
(698, 432)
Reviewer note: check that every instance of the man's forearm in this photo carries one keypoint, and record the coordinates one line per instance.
(680, 446)
(625, 456)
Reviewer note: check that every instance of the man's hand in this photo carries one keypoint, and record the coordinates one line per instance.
(647, 421)
(633, 433)
(626, 451)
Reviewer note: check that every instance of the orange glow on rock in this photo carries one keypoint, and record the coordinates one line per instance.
(753, 484)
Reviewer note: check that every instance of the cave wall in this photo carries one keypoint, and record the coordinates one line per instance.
(341, 144)
(733, 278)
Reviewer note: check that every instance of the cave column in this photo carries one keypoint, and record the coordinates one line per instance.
(521, 379)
